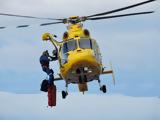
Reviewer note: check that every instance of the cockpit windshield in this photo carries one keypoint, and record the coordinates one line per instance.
(85, 43)
(73, 44)
(69, 46)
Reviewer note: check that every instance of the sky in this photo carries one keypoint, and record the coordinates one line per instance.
(130, 43)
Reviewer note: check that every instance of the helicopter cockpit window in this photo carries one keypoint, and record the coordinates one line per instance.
(85, 43)
(69, 46)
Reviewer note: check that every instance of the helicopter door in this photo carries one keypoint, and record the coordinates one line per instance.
(66, 47)
(96, 50)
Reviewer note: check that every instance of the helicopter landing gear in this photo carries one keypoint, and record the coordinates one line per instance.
(103, 87)
(65, 93)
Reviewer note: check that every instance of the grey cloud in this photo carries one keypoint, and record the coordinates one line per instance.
(78, 106)
(63, 8)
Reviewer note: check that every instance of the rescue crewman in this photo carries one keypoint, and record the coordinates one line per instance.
(45, 59)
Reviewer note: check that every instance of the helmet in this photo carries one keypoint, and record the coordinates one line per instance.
(46, 53)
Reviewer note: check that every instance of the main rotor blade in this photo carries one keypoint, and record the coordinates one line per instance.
(44, 24)
(123, 15)
(22, 26)
(24, 16)
(2, 27)
(121, 9)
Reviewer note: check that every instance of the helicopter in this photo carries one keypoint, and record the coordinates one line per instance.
(79, 56)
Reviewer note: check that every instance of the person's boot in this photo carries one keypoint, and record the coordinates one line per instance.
(44, 85)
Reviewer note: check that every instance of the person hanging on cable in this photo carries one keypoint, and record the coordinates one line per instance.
(45, 59)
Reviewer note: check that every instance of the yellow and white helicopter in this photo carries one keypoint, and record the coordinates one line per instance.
(79, 55)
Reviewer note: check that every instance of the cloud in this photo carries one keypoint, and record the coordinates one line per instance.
(64, 8)
(16, 57)
(78, 106)
(133, 50)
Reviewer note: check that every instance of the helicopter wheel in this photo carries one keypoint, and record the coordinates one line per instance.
(103, 89)
(64, 94)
